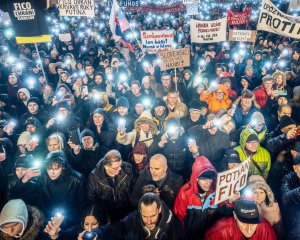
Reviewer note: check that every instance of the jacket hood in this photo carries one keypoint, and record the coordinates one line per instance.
(24, 90)
(63, 85)
(261, 184)
(244, 136)
(146, 117)
(14, 211)
(223, 89)
(201, 165)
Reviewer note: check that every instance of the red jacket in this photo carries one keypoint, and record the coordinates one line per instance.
(261, 95)
(188, 194)
(226, 229)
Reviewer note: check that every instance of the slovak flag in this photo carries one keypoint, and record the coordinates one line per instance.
(119, 24)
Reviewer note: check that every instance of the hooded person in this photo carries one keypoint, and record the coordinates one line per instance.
(216, 100)
(194, 205)
(260, 159)
(145, 131)
(160, 113)
(267, 205)
(84, 157)
(34, 109)
(18, 221)
(21, 104)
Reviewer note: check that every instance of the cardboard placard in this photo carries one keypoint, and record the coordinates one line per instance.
(208, 31)
(271, 19)
(231, 181)
(156, 41)
(83, 8)
(242, 35)
(65, 37)
(177, 58)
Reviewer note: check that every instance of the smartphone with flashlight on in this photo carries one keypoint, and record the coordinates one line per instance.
(9, 127)
(89, 235)
(56, 222)
(122, 125)
(85, 90)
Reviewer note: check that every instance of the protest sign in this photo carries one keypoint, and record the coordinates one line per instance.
(65, 37)
(192, 9)
(126, 3)
(208, 31)
(83, 8)
(271, 19)
(239, 18)
(28, 20)
(231, 181)
(190, 1)
(159, 9)
(294, 5)
(155, 41)
(176, 58)
(242, 35)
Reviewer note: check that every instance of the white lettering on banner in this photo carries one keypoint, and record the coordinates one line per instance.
(23, 11)
(271, 19)
(76, 8)
(231, 181)
(208, 31)
(155, 41)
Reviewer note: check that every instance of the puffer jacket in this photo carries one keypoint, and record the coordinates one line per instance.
(290, 189)
(114, 201)
(226, 229)
(197, 215)
(262, 157)
(215, 105)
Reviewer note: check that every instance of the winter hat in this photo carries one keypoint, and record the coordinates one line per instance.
(57, 156)
(296, 93)
(24, 161)
(258, 118)
(34, 99)
(87, 133)
(196, 105)
(247, 212)
(123, 102)
(24, 90)
(63, 104)
(252, 137)
(286, 121)
(188, 71)
(14, 211)
(207, 175)
(248, 67)
(33, 121)
(268, 77)
(232, 156)
(159, 102)
(244, 77)
(24, 138)
(100, 111)
(140, 148)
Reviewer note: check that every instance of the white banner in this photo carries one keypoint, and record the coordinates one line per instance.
(294, 5)
(190, 1)
(208, 31)
(271, 19)
(242, 35)
(83, 8)
(192, 9)
(156, 41)
(65, 37)
(231, 181)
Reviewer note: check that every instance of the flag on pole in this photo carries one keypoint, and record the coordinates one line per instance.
(119, 24)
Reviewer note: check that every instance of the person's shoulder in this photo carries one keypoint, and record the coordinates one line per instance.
(221, 228)
(127, 167)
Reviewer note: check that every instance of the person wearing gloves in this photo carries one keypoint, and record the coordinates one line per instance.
(18, 221)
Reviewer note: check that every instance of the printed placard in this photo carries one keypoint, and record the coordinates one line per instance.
(242, 35)
(156, 41)
(208, 31)
(83, 8)
(177, 58)
(231, 181)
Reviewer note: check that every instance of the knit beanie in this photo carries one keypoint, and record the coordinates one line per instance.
(207, 175)
(57, 156)
(159, 102)
(123, 102)
(286, 121)
(34, 99)
(196, 105)
(140, 148)
(87, 133)
(252, 137)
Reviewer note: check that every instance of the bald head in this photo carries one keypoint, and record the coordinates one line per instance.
(158, 167)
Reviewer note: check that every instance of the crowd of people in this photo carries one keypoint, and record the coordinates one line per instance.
(96, 142)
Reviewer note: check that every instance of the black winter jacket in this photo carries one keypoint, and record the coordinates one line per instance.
(112, 199)
(168, 188)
